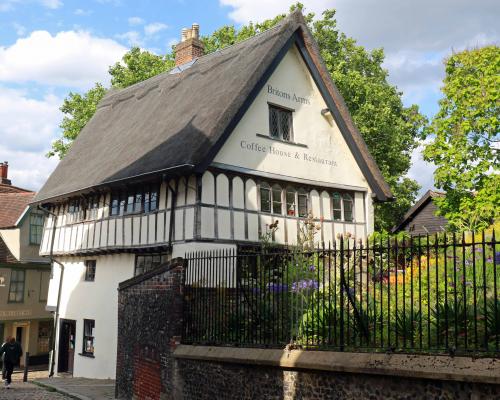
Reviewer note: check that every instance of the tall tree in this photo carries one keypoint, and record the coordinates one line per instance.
(465, 139)
(390, 130)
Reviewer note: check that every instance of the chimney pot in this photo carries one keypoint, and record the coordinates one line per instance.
(195, 28)
(190, 47)
(184, 34)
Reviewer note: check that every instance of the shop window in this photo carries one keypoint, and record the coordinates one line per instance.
(147, 262)
(36, 228)
(90, 266)
(280, 123)
(88, 337)
(16, 288)
(348, 207)
(337, 207)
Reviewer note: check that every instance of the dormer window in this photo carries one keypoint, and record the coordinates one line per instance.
(280, 123)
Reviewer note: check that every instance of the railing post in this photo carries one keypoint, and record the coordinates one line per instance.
(26, 365)
(342, 287)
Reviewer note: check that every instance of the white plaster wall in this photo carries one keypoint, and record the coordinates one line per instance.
(320, 134)
(97, 300)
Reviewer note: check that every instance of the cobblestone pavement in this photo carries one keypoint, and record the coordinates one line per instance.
(28, 391)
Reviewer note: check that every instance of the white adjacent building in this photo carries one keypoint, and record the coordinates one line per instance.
(204, 156)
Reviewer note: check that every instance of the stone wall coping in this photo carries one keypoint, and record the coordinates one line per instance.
(442, 367)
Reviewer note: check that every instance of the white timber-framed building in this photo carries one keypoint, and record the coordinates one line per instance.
(205, 156)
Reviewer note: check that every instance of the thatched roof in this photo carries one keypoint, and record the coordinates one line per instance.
(180, 120)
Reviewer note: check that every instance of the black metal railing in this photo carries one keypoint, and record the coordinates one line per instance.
(432, 294)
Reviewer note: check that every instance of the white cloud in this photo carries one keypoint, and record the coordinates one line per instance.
(83, 13)
(71, 58)
(257, 10)
(20, 29)
(153, 28)
(133, 38)
(422, 171)
(28, 127)
(133, 21)
(416, 35)
(8, 5)
(52, 4)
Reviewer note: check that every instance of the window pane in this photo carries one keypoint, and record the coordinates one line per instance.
(153, 201)
(285, 124)
(302, 205)
(265, 199)
(138, 202)
(277, 200)
(130, 203)
(290, 202)
(273, 122)
(114, 206)
(337, 207)
(348, 203)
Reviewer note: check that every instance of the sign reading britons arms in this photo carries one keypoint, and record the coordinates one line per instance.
(286, 95)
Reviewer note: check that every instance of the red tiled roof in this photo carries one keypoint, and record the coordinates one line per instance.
(4, 188)
(12, 205)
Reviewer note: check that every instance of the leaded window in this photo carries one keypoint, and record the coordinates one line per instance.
(147, 262)
(280, 123)
(142, 199)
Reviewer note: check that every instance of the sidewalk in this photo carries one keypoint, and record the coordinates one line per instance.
(80, 388)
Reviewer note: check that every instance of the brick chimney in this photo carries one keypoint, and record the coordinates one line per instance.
(4, 169)
(190, 47)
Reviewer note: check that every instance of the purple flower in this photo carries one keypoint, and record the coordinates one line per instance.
(497, 257)
(277, 287)
(479, 250)
(304, 284)
(468, 283)
(312, 268)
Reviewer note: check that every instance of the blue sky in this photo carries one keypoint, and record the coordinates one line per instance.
(51, 47)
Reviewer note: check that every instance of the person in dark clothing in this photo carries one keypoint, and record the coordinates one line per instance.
(12, 352)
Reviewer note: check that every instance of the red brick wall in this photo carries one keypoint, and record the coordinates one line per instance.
(147, 374)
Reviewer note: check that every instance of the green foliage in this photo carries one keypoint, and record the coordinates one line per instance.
(78, 110)
(465, 138)
(137, 66)
(389, 129)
